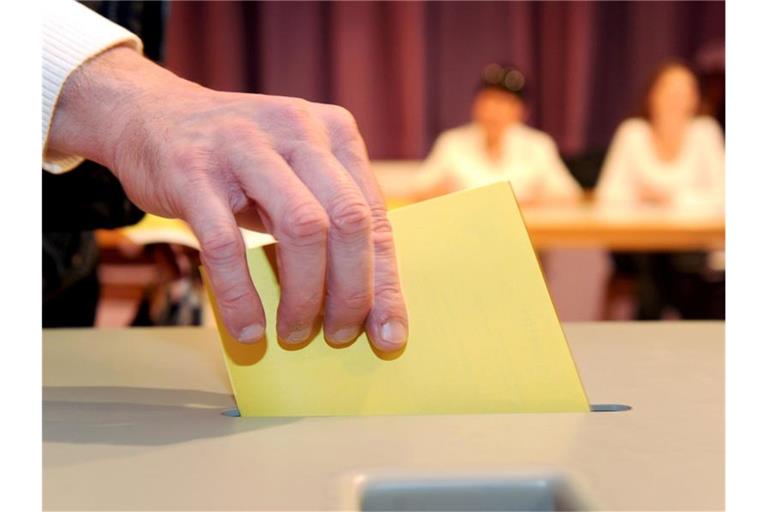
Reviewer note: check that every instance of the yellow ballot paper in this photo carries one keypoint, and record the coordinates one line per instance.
(484, 335)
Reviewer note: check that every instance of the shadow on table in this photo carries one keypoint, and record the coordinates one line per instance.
(141, 416)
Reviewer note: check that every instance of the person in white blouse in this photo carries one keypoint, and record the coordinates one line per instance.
(218, 160)
(497, 146)
(668, 155)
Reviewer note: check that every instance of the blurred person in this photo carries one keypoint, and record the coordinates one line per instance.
(668, 156)
(497, 146)
(218, 160)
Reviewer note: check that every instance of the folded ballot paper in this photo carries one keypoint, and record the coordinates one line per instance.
(484, 335)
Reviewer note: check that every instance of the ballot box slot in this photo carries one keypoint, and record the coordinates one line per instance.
(609, 407)
(235, 413)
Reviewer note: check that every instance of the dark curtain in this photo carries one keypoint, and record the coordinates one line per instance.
(407, 70)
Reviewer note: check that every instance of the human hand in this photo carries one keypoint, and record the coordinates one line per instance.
(295, 169)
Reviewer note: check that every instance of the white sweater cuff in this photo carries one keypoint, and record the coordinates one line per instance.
(72, 34)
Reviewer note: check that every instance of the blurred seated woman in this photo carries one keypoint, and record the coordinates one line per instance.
(497, 146)
(668, 156)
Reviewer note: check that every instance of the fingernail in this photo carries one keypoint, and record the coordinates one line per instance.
(251, 334)
(299, 335)
(394, 333)
(345, 335)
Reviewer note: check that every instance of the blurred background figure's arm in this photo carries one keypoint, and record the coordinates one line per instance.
(434, 177)
(552, 183)
(616, 184)
(708, 188)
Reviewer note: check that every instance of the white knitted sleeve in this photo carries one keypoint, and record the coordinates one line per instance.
(72, 34)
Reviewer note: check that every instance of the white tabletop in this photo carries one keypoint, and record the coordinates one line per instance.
(132, 420)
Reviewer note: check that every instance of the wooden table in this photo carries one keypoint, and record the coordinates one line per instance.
(132, 419)
(586, 225)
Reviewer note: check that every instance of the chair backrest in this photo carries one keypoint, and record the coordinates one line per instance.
(585, 167)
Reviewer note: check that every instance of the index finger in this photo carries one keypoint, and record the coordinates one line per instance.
(222, 252)
(387, 322)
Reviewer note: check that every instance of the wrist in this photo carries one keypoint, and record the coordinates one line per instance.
(102, 104)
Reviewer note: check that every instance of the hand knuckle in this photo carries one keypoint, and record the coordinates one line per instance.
(342, 124)
(231, 297)
(380, 219)
(302, 150)
(354, 302)
(297, 112)
(220, 248)
(305, 223)
(307, 304)
(350, 215)
(342, 116)
(384, 244)
(388, 292)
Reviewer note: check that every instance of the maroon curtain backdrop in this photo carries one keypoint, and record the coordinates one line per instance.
(407, 70)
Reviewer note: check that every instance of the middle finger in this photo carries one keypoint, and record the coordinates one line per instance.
(349, 278)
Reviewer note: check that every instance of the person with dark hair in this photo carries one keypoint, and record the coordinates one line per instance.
(672, 157)
(498, 146)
